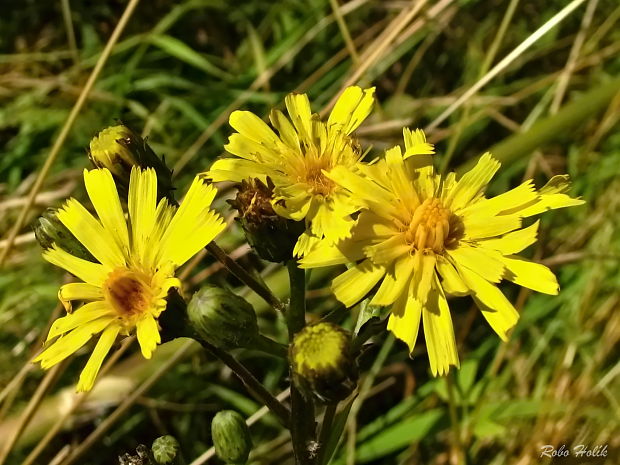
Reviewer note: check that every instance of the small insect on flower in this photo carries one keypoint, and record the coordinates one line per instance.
(126, 290)
(421, 236)
(298, 159)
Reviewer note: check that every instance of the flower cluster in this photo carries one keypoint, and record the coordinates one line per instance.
(408, 235)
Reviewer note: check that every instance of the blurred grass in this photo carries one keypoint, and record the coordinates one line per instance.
(177, 72)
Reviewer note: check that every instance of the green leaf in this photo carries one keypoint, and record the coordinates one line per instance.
(183, 52)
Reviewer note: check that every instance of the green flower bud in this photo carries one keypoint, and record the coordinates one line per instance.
(272, 236)
(165, 449)
(231, 437)
(322, 363)
(48, 230)
(118, 149)
(222, 318)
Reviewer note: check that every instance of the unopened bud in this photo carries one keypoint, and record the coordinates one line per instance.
(48, 231)
(165, 449)
(231, 437)
(222, 318)
(272, 236)
(118, 149)
(322, 362)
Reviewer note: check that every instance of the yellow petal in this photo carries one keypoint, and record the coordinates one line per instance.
(104, 196)
(424, 275)
(71, 342)
(148, 335)
(495, 307)
(482, 226)
(92, 367)
(451, 281)
(473, 183)
(395, 283)
(351, 108)
(385, 252)
(234, 170)
(284, 128)
(78, 291)
(193, 226)
(531, 275)
(142, 204)
(298, 107)
(513, 242)
(438, 333)
(415, 143)
(486, 263)
(249, 149)
(86, 313)
(92, 273)
(552, 196)
(405, 319)
(254, 128)
(91, 233)
(504, 204)
(325, 253)
(352, 285)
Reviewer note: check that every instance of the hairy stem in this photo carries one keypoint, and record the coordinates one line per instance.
(302, 409)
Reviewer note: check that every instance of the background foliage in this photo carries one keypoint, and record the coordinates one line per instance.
(181, 67)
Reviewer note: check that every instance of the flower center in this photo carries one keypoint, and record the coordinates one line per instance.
(313, 175)
(431, 226)
(127, 292)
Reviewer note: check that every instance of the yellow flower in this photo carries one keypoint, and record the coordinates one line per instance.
(298, 160)
(421, 236)
(126, 290)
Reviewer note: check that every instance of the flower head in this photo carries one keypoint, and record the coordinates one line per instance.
(125, 290)
(298, 160)
(420, 236)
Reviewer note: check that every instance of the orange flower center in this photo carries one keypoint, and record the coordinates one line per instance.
(128, 292)
(432, 227)
(314, 177)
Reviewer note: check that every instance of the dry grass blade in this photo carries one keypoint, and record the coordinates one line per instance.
(508, 59)
(64, 132)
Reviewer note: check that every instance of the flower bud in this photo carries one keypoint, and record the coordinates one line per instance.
(118, 149)
(272, 236)
(165, 449)
(48, 230)
(231, 437)
(322, 362)
(222, 318)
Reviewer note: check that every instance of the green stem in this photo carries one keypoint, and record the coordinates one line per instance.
(250, 382)
(302, 409)
(246, 278)
(269, 346)
(457, 448)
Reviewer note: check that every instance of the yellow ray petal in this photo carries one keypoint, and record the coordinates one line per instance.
(452, 282)
(231, 169)
(531, 275)
(395, 283)
(298, 107)
(385, 252)
(254, 128)
(71, 342)
(92, 273)
(552, 196)
(148, 335)
(438, 333)
(352, 285)
(487, 263)
(351, 108)
(91, 233)
(104, 196)
(193, 226)
(482, 227)
(78, 291)
(473, 183)
(513, 242)
(142, 202)
(405, 318)
(505, 203)
(324, 253)
(92, 367)
(495, 307)
(415, 143)
(284, 128)
(86, 313)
